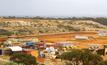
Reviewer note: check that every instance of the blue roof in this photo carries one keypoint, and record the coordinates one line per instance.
(29, 43)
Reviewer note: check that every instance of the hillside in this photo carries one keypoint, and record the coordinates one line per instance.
(33, 26)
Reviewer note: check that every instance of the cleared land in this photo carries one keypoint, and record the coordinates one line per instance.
(94, 38)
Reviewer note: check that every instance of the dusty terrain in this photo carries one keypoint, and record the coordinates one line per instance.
(94, 38)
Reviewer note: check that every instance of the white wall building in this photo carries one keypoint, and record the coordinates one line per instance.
(81, 37)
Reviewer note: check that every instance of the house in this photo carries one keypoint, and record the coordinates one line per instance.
(12, 49)
(15, 48)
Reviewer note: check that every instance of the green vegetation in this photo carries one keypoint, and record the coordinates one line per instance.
(84, 57)
(23, 58)
(102, 63)
(35, 25)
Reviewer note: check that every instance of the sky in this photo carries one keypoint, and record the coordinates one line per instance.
(89, 8)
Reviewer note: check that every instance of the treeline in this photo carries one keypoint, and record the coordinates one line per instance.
(102, 20)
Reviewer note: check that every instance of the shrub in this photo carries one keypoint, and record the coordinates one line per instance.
(102, 63)
(23, 58)
(81, 56)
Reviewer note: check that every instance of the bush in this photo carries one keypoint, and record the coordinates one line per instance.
(23, 58)
(102, 63)
(100, 51)
(81, 56)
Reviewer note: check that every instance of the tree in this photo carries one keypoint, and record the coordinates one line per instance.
(85, 57)
(23, 58)
(73, 56)
(102, 63)
(88, 58)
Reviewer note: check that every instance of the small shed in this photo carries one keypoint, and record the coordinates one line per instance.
(81, 37)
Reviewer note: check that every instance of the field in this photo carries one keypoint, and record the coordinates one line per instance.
(94, 38)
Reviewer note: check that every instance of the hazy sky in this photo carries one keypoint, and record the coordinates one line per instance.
(53, 8)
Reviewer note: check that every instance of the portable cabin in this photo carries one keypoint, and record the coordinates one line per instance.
(81, 37)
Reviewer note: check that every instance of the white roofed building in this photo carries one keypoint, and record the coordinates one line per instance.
(81, 37)
(15, 48)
